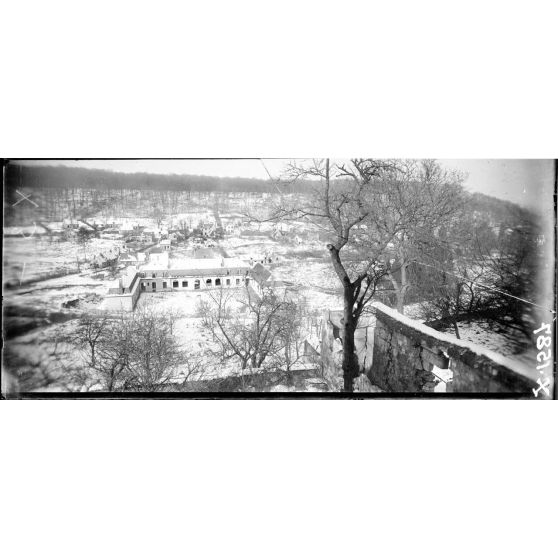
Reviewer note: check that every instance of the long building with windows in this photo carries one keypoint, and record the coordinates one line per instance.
(193, 274)
(163, 275)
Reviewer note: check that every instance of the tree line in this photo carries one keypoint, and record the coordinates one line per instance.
(20, 176)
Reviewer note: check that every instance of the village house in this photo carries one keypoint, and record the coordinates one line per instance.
(106, 258)
(140, 238)
(111, 234)
(130, 226)
(165, 244)
(127, 258)
(261, 279)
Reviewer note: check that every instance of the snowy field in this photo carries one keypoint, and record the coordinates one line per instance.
(28, 259)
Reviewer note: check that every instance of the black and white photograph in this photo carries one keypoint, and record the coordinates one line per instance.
(279, 277)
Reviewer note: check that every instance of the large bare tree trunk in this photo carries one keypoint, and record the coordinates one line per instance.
(350, 361)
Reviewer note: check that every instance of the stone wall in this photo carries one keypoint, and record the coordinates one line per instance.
(125, 302)
(397, 354)
(407, 354)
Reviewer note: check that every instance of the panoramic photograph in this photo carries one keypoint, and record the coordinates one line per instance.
(278, 278)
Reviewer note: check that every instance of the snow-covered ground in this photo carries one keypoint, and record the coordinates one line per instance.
(485, 333)
(31, 258)
(50, 295)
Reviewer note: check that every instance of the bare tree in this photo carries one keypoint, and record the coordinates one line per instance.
(427, 198)
(154, 355)
(130, 351)
(183, 228)
(194, 368)
(89, 334)
(251, 329)
(108, 356)
(352, 202)
(483, 275)
(157, 212)
(371, 209)
(513, 268)
(452, 272)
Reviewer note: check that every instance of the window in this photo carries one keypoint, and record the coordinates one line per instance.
(153, 275)
(175, 284)
(228, 282)
(143, 286)
(237, 281)
(197, 284)
(217, 282)
(154, 287)
(164, 284)
(208, 282)
(185, 284)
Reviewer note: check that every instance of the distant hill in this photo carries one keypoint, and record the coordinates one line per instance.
(23, 176)
(61, 189)
(501, 211)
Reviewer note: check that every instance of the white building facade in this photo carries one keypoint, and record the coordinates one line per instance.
(193, 274)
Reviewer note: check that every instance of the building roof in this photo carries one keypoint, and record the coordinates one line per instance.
(260, 273)
(208, 263)
(198, 266)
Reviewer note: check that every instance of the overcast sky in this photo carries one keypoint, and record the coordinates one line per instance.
(525, 181)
